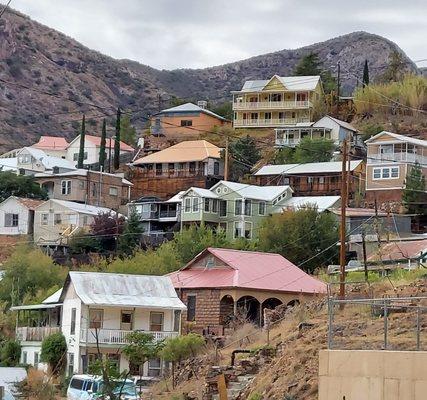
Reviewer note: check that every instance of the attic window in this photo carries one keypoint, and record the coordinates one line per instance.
(210, 263)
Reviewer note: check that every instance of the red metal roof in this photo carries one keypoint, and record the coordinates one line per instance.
(96, 140)
(31, 204)
(249, 270)
(404, 250)
(51, 143)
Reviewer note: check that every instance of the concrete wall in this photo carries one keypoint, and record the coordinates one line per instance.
(372, 375)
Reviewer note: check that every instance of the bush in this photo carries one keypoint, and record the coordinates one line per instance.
(53, 352)
(10, 353)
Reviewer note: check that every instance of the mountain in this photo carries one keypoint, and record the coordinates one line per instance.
(47, 80)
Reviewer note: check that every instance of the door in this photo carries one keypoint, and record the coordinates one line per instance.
(126, 321)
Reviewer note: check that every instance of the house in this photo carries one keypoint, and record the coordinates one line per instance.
(276, 102)
(186, 120)
(159, 219)
(390, 157)
(325, 128)
(52, 145)
(100, 310)
(92, 147)
(86, 186)
(219, 284)
(166, 172)
(236, 208)
(56, 221)
(314, 179)
(17, 215)
(31, 160)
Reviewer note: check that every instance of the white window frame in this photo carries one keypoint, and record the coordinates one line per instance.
(44, 219)
(66, 187)
(57, 220)
(386, 170)
(243, 226)
(236, 202)
(264, 205)
(187, 205)
(156, 368)
(113, 191)
(11, 220)
(196, 204)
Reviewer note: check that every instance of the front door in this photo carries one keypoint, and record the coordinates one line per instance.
(126, 321)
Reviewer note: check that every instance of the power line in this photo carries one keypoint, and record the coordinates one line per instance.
(4, 8)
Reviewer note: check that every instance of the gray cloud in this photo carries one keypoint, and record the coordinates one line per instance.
(189, 33)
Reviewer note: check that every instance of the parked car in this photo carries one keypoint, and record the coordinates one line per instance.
(89, 387)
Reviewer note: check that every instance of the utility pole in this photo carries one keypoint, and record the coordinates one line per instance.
(365, 264)
(226, 159)
(349, 178)
(338, 87)
(344, 196)
(159, 102)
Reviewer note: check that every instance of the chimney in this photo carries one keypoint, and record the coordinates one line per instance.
(202, 104)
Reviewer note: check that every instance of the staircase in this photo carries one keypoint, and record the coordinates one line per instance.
(235, 387)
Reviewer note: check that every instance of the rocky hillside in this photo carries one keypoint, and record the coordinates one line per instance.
(48, 79)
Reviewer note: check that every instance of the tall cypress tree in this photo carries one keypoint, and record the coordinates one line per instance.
(102, 147)
(365, 74)
(82, 144)
(117, 141)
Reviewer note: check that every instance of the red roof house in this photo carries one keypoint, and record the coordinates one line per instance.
(218, 283)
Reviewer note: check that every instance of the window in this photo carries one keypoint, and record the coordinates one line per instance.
(186, 122)
(44, 218)
(113, 191)
(286, 181)
(222, 208)
(96, 318)
(196, 201)
(210, 262)
(207, 205)
(261, 208)
(238, 207)
(94, 190)
(267, 115)
(248, 207)
(65, 187)
(73, 321)
(191, 307)
(176, 320)
(187, 204)
(216, 168)
(36, 360)
(76, 156)
(395, 172)
(57, 220)
(82, 184)
(126, 320)
(254, 116)
(114, 360)
(321, 180)
(156, 322)
(377, 173)
(276, 97)
(24, 357)
(385, 173)
(215, 206)
(238, 230)
(11, 220)
(85, 220)
(75, 383)
(159, 169)
(192, 167)
(154, 367)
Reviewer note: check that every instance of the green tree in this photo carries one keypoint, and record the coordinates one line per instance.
(314, 150)
(414, 196)
(10, 352)
(127, 131)
(117, 140)
(180, 348)
(102, 153)
(365, 80)
(298, 234)
(396, 68)
(224, 110)
(130, 238)
(244, 154)
(284, 155)
(81, 158)
(20, 186)
(53, 352)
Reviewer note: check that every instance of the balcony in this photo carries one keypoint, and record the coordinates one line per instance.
(117, 336)
(266, 123)
(272, 105)
(170, 173)
(396, 157)
(35, 334)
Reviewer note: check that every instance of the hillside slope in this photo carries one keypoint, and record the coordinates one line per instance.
(65, 77)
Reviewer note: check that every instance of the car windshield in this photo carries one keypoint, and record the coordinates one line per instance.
(127, 388)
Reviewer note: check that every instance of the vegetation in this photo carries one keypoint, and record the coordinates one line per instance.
(20, 186)
(127, 131)
(224, 110)
(102, 154)
(53, 351)
(307, 151)
(81, 158)
(10, 352)
(130, 239)
(414, 195)
(396, 67)
(117, 139)
(297, 235)
(365, 79)
(244, 154)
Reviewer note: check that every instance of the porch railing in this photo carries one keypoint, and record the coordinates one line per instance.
(269, 122)
(117, 336)
(267, 105)
(35, 334)
(393, 157)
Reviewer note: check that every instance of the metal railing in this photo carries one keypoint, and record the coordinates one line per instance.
(396, 157)
(269, 122)
(280, 105)
(117, 336)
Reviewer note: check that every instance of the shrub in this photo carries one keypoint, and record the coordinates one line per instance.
(10, 353)
(53, 352)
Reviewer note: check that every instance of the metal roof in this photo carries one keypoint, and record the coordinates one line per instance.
(344, 124)
(36, 306)
(82, 208)
(190, 107)
(11, 375)
(202, 192)
(308, 168)
(51, 143)
(176, 198)
(266, 193)
(53, 298)
(48, 161)
(322, 203)
(291, 83)
(401, 251)
(118, 290)
(249, 270)
(403, 138)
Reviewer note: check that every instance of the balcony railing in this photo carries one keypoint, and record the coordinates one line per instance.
(272, 105)
(268, 122)
(117, 336)
(170, 173)
(396, 157)
(167, 214)
(35, 334)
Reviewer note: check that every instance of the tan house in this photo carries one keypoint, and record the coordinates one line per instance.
(85, 186)
(277, 102)
(165, 173)
(390, 157)
(186, 120)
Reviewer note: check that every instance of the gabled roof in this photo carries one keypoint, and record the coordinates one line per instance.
(51, 143)
(96, 140)
(190, 150)
(202, 192)
(401, 251)
(266, 193)
(48, 161)
(53, 298)
(322, 203)
(122, 290)
(291, 83)
(82, 208)
(190, 108)
(29, 204)
(344, 124)
(248, 270)
(308, 168)
(403, 138)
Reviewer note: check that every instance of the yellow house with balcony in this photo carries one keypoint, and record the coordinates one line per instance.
(278, 102)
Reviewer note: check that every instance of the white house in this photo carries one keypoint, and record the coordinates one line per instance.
(100, 310)
(17, 215)
(55, 221)
(92, 147)
(31, 160)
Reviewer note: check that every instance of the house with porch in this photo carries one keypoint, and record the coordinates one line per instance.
(220, 285)
(96, 312)
(390, 157)
(276, 102)
(178, 167)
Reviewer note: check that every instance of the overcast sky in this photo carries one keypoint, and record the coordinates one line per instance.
(199, 33)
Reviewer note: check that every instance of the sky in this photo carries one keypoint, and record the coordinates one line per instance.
(168, 34)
